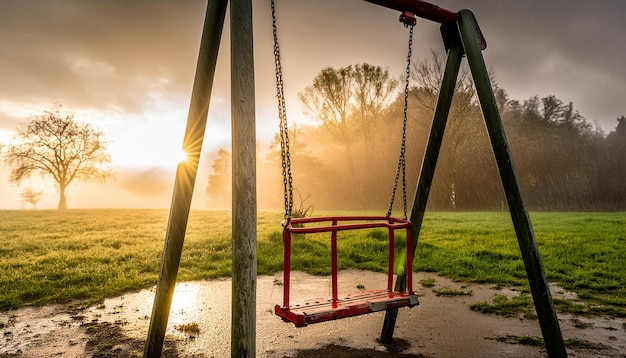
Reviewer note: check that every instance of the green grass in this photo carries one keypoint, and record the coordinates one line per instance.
(87, 255)
(583, 252)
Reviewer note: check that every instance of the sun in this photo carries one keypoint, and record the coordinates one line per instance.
(180, 156)
(168, 156)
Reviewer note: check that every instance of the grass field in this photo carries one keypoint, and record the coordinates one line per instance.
(87, 255)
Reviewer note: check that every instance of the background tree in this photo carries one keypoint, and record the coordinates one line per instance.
(465, 134)
(557, 154)
(373, 88)
(349, 103)
(53, 144)
(219, 187)
(31, 196)
(611, 185)
(309, 174)
(327, 100)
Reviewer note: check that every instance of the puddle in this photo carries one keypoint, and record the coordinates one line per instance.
(439, 327)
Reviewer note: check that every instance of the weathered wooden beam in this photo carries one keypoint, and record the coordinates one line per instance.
(244, 238)
(186, 175)
(468, 29)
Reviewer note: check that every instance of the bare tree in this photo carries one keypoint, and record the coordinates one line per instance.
(462, 126)
(53, 144)
(31, 196)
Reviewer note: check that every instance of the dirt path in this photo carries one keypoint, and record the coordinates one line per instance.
(439, 327)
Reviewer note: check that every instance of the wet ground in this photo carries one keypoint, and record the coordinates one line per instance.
(199, 325)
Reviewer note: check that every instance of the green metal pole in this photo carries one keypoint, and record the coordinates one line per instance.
(243, 332)
(548, 321)
(429, 162)
(186, 175)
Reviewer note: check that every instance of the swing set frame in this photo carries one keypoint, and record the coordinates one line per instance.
(461, 37)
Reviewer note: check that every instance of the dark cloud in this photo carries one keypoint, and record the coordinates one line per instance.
(99, 54)
(119, 54)
(573, 49)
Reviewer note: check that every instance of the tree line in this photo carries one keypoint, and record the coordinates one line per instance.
(348, 160)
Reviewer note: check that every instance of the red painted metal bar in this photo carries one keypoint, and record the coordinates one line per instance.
(420, 8)
(390, 259)
(333, 248)
(286, 264)
(347, 218)
(393, 223)
(354, 304)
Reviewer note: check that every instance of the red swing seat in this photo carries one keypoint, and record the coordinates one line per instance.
(352, 304)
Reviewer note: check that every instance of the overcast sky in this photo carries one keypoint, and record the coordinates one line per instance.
(127, 66)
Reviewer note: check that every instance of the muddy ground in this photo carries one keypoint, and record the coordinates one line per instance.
(199, 325)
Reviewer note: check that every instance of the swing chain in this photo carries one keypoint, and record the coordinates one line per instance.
(401, 160)
(284, 129)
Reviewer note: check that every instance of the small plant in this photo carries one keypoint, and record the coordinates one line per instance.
(360, 287)
(502, 306)
(278, 282)
(78, 317)
(302, 211)
(582, 344)
(580, 324)
(189, 328)
(103, 349)
(449, 292)
(427, 282)
(524, 340)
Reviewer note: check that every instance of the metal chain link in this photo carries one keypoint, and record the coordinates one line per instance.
(284, 129)
(401, 160)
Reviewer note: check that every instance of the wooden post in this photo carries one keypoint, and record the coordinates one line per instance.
(468, 29)
(186, 175)
(429, 162)
(243, 333)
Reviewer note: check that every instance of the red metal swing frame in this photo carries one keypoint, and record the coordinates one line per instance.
(353, 304)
